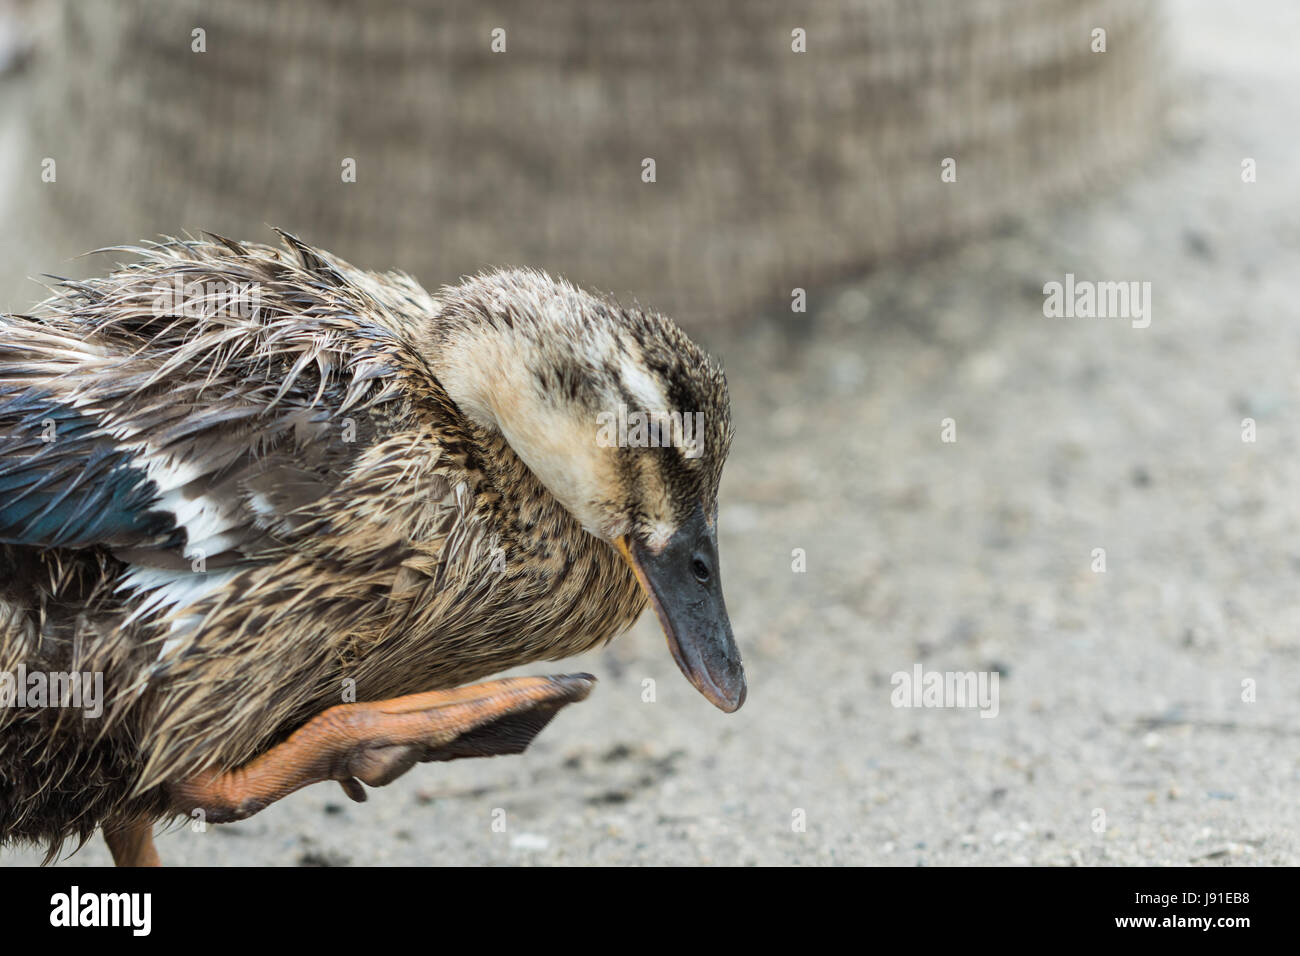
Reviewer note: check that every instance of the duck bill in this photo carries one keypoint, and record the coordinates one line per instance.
(692, 612)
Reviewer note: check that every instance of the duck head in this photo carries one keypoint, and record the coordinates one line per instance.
(625, 421)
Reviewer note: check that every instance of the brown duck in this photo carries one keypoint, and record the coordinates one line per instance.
(281, 511)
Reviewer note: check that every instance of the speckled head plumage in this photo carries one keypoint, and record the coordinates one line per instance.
(622, 416)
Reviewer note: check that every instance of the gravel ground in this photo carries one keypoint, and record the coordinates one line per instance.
(1121, 693)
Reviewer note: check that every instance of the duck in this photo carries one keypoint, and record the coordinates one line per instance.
(273, 520)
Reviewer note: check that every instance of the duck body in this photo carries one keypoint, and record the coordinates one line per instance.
(241, 512)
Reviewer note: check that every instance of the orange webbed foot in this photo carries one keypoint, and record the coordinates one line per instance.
(377, 741)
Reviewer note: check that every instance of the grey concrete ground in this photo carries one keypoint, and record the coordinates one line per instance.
(1121, 693)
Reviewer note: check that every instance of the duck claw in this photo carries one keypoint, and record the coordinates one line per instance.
(352, 787)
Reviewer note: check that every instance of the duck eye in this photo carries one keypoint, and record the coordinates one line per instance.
(700, 570)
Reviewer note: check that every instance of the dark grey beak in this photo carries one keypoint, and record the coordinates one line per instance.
(685, 590)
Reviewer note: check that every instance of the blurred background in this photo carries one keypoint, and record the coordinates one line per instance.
(856, 204)
(485, 133)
